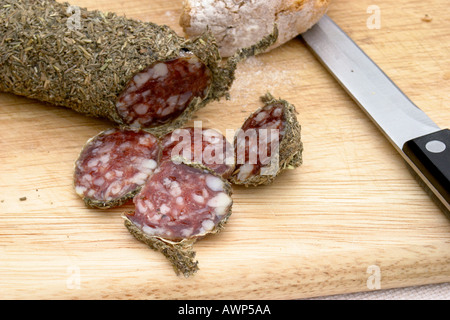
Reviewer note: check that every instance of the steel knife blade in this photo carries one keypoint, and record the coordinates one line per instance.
(424, 146)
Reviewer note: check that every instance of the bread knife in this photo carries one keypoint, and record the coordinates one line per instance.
(424, 146)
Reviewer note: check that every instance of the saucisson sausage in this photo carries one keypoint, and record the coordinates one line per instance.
(113, 166)
(268, 142)
(132, 72)
(179, 204)
(202, 145)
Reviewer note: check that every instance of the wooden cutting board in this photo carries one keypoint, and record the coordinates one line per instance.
(350, 219)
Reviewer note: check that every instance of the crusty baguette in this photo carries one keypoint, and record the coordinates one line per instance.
(241, 23)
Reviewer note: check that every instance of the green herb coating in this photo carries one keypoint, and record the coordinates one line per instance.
(87, 67)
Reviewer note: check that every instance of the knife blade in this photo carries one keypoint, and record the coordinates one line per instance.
(421, 142)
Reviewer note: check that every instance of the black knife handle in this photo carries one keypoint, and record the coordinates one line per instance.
(431, 155)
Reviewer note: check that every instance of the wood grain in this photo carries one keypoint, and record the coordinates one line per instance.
(315, 231)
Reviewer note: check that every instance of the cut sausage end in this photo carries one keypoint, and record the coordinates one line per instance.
(163, 91)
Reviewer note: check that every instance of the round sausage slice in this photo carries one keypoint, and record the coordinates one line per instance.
(201, 145)
(178, 205)
(113, 166)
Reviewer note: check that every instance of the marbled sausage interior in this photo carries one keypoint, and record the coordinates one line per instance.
(259, 136)
(115, 163)
(201, 145)
(180, 202)
(162, 91)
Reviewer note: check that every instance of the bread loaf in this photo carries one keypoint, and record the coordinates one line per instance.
(240, 23)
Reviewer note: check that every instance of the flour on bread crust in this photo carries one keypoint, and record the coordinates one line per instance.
(241, 23)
